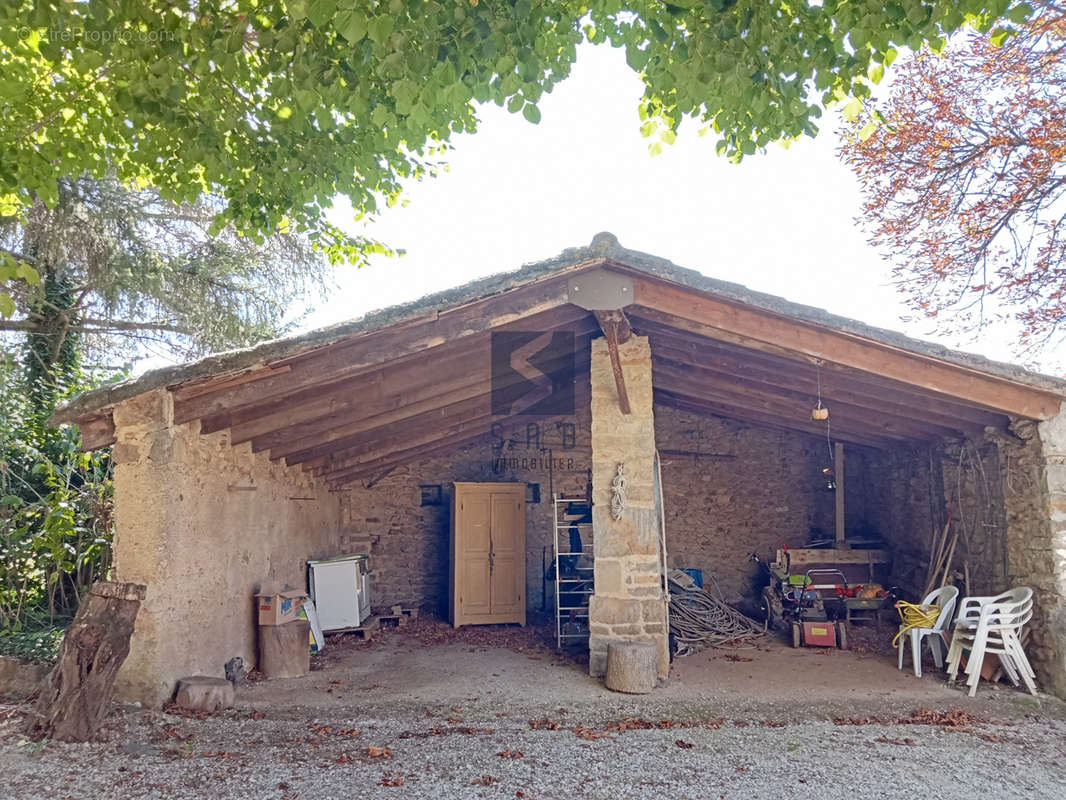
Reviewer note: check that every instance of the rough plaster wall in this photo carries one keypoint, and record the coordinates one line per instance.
(765, 488)
(408, 542)
(201, 523)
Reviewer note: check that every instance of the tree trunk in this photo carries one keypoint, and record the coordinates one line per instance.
(77, 693)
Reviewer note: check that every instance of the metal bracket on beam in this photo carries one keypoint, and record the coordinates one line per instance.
(600, 290)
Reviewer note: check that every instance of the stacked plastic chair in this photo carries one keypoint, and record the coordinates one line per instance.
(993, 625)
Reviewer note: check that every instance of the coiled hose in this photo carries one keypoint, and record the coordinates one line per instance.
(698, 619)
(913, 615)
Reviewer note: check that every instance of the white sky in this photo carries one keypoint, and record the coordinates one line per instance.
(781, 222)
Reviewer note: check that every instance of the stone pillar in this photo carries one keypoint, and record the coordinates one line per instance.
(628, 604)
(1050, 592)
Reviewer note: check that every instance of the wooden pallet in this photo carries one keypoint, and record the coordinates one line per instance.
(366, 630)
(400, 616)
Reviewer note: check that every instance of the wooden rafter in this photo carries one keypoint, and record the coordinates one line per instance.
(758, 329)
(801, 403)
(365, 352)
(474, 398)
(756, 417)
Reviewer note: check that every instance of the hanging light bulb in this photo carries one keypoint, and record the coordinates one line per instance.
(819, 413)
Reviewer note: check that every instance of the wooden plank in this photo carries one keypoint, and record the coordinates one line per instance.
(473, 397)
(836, 382)
(472, 409)
(803, 403)
(97, 431)
(838, 477)
(403, 452)
(371, 391)
(377, 466)
(363, 352)
(385, 446)
(215, 383)
(749, 415)
(709, 316)
(788, 408)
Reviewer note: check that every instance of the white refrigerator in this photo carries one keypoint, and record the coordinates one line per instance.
(340, 588)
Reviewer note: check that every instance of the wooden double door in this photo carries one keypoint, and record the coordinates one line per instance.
(488, 553)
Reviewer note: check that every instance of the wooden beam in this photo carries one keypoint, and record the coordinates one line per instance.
(373, 390)
(895, 420)
(475, 396)
(854, 387)
(97, 431)
(789, 408)
(366, 351)
(715, 317)
(405, 457)
(616, 330)
(405, 447)
(757, 418)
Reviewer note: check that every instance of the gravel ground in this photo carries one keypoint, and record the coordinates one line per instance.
(397, 719)
(234, 755)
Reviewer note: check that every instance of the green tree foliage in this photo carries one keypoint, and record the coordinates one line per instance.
(55, 502)
(121, 269)
(279, 106)
(116, 268)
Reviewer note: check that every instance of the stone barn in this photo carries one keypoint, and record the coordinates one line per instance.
(237, 469)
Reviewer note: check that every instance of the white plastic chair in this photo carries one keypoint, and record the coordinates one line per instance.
(945, 597)
(993, 625)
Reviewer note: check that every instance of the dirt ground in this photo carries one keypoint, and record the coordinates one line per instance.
(431, 712)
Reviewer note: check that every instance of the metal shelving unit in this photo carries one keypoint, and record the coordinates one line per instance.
(573, 569)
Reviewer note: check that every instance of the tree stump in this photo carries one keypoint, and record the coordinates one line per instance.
(76, 695)
(632, 667)
(203, 693)
(285, 650)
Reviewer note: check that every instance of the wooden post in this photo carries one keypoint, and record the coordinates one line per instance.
(838, 474)
(77, 692)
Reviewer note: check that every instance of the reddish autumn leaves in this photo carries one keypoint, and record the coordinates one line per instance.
(964, 181)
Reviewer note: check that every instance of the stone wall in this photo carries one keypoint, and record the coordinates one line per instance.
(408, 541)
(629, 602)
(750, 489)
(202, 523)
(1034, 479)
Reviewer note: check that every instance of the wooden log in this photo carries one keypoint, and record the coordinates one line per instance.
(632, 667)
(77, 693)
(285, 650)
(203, 693)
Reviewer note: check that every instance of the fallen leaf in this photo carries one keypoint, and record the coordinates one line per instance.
(379, 752)
(684, 745)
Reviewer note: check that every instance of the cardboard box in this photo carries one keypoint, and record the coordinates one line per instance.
(277, 607)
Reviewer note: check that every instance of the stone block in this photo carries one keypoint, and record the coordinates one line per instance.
(613, 610)
(608, 578)
(204, 693)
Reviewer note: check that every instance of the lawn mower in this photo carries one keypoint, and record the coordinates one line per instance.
(809, 605)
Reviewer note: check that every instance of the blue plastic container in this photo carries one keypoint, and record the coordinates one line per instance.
(696, 575)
